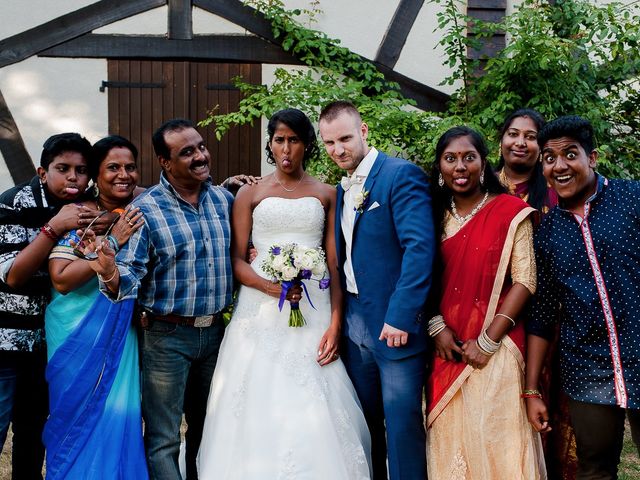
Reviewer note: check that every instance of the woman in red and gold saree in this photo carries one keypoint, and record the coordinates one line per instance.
(477, 423)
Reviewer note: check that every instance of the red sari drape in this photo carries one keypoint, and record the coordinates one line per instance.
(474, 283)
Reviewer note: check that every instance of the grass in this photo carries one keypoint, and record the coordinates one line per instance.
(629, 460)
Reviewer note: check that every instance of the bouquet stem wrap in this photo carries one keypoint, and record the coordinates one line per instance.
(296, 319)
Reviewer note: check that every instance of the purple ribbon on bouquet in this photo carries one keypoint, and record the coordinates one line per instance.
(286, 286)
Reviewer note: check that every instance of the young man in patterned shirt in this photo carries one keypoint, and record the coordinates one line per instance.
(32, 217)
(588, 263)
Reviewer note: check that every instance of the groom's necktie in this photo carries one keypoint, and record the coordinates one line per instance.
(348, 182)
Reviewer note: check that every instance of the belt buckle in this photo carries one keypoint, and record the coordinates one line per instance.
(203, 321)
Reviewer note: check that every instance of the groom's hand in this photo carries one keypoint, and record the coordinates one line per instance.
(394, 336)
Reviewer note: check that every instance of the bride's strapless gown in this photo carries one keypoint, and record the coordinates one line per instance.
(273, 412)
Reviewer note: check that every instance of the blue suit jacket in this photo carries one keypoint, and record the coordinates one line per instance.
(392, 251)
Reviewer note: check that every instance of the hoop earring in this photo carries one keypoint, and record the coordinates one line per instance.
(440, 180)
(95, 191)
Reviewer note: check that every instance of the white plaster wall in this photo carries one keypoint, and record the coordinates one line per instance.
(20, 15)
(54, 95)
(152, 22)
(359, 24)
(207, 23)
(422, 58)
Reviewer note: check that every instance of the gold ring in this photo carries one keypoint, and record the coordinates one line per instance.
(130, 223)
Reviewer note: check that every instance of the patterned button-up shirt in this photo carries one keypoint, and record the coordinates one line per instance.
(179, 261)
(23, 210)
(589, 281)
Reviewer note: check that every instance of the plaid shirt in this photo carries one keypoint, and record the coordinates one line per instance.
(179, 261)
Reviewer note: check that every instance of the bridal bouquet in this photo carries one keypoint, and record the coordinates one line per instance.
(289, 265)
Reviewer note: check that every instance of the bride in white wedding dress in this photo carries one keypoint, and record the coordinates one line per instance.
(281, 405)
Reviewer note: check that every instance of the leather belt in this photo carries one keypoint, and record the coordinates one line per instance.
(200, 321)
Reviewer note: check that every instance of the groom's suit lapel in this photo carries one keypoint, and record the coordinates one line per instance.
(368, 185)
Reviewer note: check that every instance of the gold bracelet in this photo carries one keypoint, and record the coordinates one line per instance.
(111, 278)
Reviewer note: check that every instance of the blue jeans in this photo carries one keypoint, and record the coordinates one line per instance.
(24, 402)
(177, 367)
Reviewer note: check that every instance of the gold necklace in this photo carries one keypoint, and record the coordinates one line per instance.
(289, 189)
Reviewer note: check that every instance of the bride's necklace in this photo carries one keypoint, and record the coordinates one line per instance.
(462, 220)
(289, 189)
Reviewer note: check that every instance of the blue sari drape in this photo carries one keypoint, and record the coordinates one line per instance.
(94, 429)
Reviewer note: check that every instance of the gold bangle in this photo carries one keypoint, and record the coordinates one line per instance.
(110, 278)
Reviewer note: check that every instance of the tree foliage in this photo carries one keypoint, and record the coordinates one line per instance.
(569, 57)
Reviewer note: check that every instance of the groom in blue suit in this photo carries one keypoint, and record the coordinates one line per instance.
(385, 242)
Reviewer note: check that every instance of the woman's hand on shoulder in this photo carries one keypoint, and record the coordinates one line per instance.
(445, 343)
(129, 221)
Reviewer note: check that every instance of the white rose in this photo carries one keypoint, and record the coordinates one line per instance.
(305, 263)
(298, 255)
(359, 199)
(319, 269)
(289, 273)
(278, 262)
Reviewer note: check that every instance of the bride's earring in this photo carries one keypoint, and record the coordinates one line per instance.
(482, 178)
(440, 180)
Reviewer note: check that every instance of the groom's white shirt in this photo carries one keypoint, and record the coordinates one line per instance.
(348, 217)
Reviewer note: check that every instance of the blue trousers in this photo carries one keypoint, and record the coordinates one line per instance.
(391, 393)
(177, 368)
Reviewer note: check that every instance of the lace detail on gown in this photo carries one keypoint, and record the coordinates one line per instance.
(273, 411)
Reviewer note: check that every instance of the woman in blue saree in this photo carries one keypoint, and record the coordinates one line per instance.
(94, 430)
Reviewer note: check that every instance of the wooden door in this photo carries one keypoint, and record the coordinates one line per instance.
(143, 94)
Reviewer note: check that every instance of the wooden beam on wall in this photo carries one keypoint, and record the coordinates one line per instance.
(226, 48)
(240, 14)
(30, 42)
(180, 20)
(396, 35)
(12, 147)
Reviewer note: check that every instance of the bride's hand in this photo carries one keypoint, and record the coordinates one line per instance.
(328, 348)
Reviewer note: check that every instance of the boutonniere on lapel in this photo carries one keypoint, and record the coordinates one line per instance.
(360, 201)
